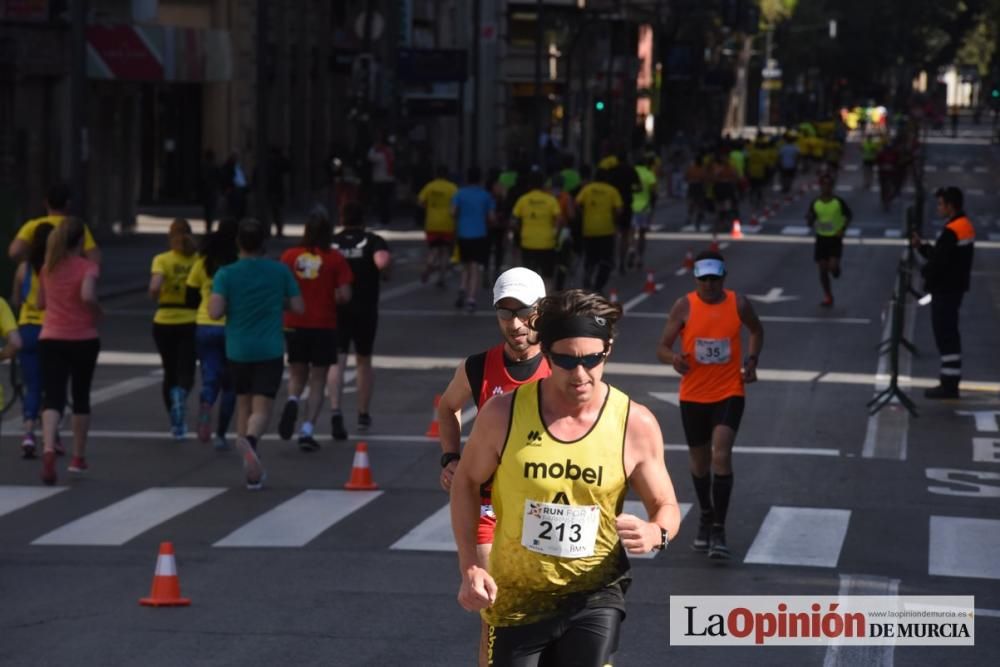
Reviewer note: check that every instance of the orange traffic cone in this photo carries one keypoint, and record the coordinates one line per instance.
(166, 591)
(434, 431)
(650, 286)
(613, 295)
(737, 232)
(361, 473)
(689, 260)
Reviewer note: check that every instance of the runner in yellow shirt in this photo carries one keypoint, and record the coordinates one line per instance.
(539, 221)
(600, 203)
(174, 322)
(56, 206)
(439, 223)
(11, 340)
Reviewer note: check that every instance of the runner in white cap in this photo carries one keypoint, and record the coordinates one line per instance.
(499, 370)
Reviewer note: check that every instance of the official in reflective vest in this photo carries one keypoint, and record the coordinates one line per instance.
(946, 278)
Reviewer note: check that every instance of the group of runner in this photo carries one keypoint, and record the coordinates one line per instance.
(548, 221)
(221, 305)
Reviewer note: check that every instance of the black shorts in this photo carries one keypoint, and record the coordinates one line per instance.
(542, 262)
(598, 250)
(259, 378)
(700, 419)
(312, 346)
(696, 192)
(357, 327)
(586, 638)
(828, 247)
(474, 250)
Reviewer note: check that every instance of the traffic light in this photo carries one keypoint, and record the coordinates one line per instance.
(599, 105)
(995, 94)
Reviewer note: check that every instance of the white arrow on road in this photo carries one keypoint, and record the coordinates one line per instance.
(773, 296)
(670, 397)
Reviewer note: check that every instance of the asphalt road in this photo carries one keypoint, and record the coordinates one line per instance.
(827, 500)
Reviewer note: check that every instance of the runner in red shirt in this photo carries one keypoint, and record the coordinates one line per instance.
(499, 370)
(324, 278)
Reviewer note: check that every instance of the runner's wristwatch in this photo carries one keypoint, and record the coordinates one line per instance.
(664, 540)
(448, 457)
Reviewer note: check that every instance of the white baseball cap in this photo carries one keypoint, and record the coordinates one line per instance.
(519, 283)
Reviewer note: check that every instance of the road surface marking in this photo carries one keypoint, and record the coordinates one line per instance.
(300, 520)
(809, 536)
(432, 534)
(118, 523)
(954, 169)
(893, 233)
(13, 498)
(981, 170)
(964, 547)
(976, 191)
(871, 656)
(795, 230)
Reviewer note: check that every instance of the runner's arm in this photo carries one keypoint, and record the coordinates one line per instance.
(18, 250)
(295, 304)
(750, 320)
(647, 474)
(88, 294)
(342, 294)
(155, 285)
(675, 322)
(15, 290)
(216, 306)
(449, 412)
(479, 462)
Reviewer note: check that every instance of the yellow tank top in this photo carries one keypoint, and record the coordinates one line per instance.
(174, 267)
(553, 496)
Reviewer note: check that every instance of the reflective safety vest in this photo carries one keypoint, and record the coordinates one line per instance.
(830, 219)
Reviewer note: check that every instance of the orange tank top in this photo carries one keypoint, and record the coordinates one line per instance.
(711, 339)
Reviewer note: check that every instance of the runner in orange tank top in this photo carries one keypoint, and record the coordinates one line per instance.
(713, 372)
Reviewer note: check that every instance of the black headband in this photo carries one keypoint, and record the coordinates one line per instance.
(578, 326)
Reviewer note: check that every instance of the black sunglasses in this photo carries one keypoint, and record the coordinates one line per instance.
(521, 313)
(570, 361)
(709, 278)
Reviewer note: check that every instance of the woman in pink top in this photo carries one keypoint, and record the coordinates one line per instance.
(68, 342)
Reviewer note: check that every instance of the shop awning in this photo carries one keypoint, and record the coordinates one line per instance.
(158, 53)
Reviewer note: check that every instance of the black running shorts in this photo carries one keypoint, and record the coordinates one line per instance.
(474, 250)
(357, 327)
(259, 378)
(700, 419)
(828, 247)
(312, 346)
(586, 638)
(542, 262)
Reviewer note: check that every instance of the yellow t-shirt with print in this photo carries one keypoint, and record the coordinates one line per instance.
(7, 325)
(599, 201)
(199, 279)
(538, 212)
(27, 231)
(174, 267)
(436, 198)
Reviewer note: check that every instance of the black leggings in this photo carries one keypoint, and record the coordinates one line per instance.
(588, 638)
(175, 343)
(64, 360)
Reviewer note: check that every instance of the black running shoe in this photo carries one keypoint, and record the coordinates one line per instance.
(307, 443)
(717, 548)
(286, 426)
(701, 539)
(337, 427)
(364, 422)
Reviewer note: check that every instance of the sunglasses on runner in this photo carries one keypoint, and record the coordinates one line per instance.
(522, 314)
(570, 361)
(709, 278)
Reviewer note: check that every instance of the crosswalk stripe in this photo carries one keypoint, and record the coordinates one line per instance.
(930, 167)
(845, 188)
(795, 230)
(810, 536)
(300, 520)
(981, 170)
(853, 232)
(964, 547)
(893, 234)
(954, 169)
(636, 508)
(976, 191)
(13, 498)
(118, 523)
(851, 167)
(432, 534)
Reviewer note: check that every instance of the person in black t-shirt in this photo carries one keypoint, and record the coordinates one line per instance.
(357, 321)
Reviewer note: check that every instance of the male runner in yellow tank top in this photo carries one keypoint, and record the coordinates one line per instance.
(563, 453)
